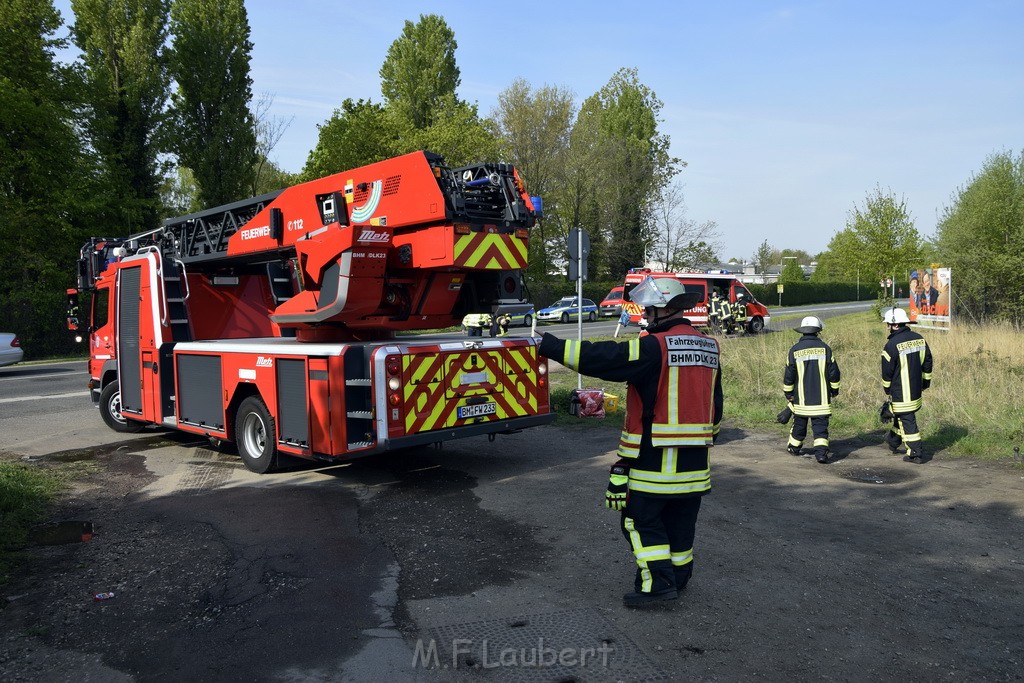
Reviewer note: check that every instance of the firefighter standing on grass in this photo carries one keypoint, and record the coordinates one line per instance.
(906, 373)
(810, 382)
(673, 411)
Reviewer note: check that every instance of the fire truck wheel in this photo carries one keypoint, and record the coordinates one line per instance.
(256, 435)
(756, 325)
(110, 409)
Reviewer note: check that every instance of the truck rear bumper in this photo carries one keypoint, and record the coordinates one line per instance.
(495, 427)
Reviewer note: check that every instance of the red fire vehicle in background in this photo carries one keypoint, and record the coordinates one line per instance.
(727, 286)
(271, 322)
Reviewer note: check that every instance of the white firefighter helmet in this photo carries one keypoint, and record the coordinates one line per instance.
(663, 292)
(810, 325)
(895, 316)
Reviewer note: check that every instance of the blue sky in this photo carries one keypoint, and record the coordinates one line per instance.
(788, 114)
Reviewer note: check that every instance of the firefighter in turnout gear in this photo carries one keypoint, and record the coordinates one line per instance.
(720, 315)
(810, 382)
(739, 309)
(673, 412)
(906, 373)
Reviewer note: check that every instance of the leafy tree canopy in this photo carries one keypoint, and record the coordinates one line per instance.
(981, 238)
(419, 71)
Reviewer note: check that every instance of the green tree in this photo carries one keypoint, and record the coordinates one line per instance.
(43, 177)
(419, 70)
(533, 128)
(358, 133)
(842, 261)
(215, 132)
(456, 132)
(763, 258)
(883, 232)
(616, 164)
(791, 272)
(981, 238)
(122, 44)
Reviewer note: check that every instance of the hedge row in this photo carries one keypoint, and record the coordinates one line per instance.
(800, 293)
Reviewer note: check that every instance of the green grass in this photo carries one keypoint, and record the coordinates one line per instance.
(971, 409)
(25, 496)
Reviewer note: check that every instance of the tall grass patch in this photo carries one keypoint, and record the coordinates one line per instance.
(972, 407)
(25, 494)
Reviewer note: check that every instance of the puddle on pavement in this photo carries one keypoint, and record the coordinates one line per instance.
(61, 533)
(877, 475)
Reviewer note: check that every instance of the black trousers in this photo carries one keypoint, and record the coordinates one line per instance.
(660, 532)
(819, 428)
(904, 430)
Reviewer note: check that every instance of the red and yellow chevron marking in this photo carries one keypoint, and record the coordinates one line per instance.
(488, 251)
(435, 385)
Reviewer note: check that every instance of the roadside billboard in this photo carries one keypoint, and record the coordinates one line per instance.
(930, 292)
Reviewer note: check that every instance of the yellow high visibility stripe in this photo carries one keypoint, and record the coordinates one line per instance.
(664, 489)
(571, 354)
(679, 559)
(653, 477)
(634, 349)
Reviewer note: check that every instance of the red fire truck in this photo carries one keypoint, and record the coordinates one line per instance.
(271, 323)
(728, 287)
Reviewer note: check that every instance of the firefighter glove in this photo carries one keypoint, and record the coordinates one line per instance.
(885, 412)
(784, 416)
(618, 487)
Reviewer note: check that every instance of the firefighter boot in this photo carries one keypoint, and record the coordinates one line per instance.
(793, 450)
(821, 455)
(639, 599)
(915, 455)
(893, 441)
(683, 576)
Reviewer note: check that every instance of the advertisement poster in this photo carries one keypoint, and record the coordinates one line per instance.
(930, 291)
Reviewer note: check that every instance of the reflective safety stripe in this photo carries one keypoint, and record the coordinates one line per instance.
(571, 354)
(648, 475)
(812, 410)
(906, 406)
(821, 442)
(681, 434)
(683, 558)
(640, 552)
(669, 489)
(629, 445)
(634, 349)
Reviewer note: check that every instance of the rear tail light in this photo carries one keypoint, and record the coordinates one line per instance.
(15, 342)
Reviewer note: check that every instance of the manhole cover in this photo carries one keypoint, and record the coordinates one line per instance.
(877, 475)
(572, 645)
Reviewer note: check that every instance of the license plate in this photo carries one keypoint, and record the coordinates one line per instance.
(476, 410)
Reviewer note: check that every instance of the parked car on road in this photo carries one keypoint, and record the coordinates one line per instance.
(10, 349)
(611, 306)
(566, 309)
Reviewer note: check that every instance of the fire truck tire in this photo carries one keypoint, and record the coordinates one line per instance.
(256, 435)
(756, 325)
(110, 410)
